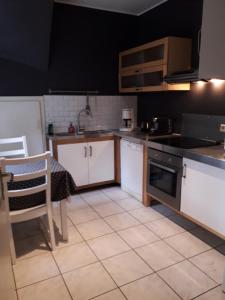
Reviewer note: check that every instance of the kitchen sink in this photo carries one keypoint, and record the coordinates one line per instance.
(88, 132)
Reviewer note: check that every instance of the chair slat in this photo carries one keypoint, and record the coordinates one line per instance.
(12, 140)
(28, 191)
(12, 153)
(29, 176)
(26, 160)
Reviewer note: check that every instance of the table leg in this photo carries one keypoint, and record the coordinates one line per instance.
(223, 284)
(63, 215)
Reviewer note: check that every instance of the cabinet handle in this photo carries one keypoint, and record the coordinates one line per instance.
(184, 171)
(90, 148)
(85, 151)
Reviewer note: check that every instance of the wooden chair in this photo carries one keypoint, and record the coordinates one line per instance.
(33, 212)
(21, 152)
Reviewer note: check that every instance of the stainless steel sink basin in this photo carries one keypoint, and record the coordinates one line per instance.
(88, 132)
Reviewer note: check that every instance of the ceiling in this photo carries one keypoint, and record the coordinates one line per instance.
(132, 7)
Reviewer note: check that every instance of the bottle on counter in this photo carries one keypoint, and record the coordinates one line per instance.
(50, 128)
(71, 128)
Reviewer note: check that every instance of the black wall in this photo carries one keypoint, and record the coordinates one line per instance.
(179, 18)
(83, 55)
(25, 28)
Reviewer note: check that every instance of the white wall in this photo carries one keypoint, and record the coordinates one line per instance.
(106, 110)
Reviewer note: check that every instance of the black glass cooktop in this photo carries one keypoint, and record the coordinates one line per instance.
(184, 142)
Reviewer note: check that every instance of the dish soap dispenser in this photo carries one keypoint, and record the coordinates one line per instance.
(71, 128)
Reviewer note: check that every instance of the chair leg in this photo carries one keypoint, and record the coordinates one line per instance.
(51, 230)
(12, 245)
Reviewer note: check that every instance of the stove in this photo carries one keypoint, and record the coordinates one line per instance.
(165, 166)
(184, 142)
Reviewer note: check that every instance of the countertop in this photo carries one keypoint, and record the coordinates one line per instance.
(213, 155)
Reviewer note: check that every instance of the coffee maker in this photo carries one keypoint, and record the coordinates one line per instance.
(128, 118)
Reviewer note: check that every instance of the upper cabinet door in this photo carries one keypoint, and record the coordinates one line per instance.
(74, 158)
(212, 51)
(150, 54)
(101, 161)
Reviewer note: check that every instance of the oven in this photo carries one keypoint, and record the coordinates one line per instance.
(165, 177)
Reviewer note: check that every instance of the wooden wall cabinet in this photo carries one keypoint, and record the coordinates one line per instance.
(143, 68)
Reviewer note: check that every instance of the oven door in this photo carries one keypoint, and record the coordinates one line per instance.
(164, 183)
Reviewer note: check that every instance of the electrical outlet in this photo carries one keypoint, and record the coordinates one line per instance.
(222, 127)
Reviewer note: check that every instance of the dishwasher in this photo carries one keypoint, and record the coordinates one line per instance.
(132, 168)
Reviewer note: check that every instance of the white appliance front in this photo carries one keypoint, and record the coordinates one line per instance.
(132, 168)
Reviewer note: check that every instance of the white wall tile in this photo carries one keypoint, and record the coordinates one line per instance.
(106, 110)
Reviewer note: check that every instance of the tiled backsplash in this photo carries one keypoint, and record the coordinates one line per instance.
(106, 111)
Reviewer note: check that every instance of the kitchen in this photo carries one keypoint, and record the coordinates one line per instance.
(117, 247)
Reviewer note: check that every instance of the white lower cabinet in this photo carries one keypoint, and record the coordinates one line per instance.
(203, 194)
(101, 161)
(88, 163)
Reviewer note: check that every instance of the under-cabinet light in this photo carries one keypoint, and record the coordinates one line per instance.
(217, 82)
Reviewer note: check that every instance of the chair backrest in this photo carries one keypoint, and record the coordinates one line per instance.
(45, 171)
(21, 152)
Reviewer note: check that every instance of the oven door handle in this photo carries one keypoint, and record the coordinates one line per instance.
(162, 167)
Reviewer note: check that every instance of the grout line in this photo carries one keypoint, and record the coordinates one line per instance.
(22, 287)
(206, 291)
(130, 249)
(169, 286)
(62, 277)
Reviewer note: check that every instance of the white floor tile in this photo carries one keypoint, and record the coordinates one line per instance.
(88, 282)
(138, 236)
(95, 198)
(146, 214)
(164, 228)
(108, 245)
(83, 215)
(31, 246)
(212, 263)
(121, 221)
(126, 267)
(53, 288)
(76, 202)
(74, 238)
(115, 193)
(149, 288)
(75, 256)
(187, 280)
(34, 269)
(94, 229)
(187, 244)
(108, 209)
(113, 295)
(159, 255)
(129, 203)
(215, 294)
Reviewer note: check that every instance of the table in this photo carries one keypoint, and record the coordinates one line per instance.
(62, 187)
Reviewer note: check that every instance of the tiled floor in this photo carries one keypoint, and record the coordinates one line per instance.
(119, 250)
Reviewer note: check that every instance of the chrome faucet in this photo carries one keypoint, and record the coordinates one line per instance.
(87, 111)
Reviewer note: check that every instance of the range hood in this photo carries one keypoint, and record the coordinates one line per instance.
(183, 77)
(211, 47)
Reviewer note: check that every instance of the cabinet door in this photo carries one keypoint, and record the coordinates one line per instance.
(150, 54)
(203, 194)
(146, 79)
(74, 158)
(101, 161)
